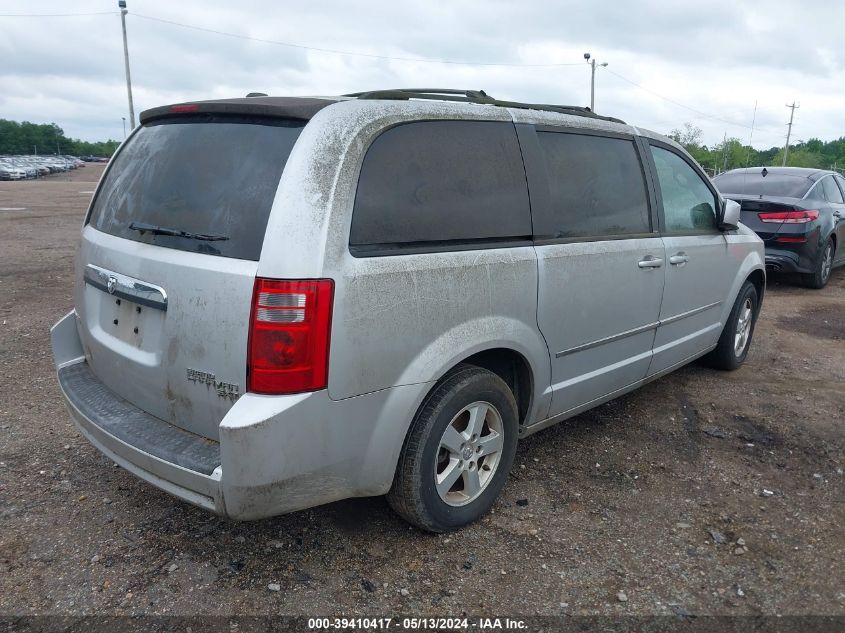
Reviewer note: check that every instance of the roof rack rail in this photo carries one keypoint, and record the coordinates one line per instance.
(441, 94)
(475, 96)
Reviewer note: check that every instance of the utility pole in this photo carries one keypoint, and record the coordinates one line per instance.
(751, 137)
(592, 63)
(789, 131)
(124, 127)
(123, 12)
(725, 152)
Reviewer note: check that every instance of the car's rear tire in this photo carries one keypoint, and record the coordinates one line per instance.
(458, 452)
(735, 340)
(819, 277)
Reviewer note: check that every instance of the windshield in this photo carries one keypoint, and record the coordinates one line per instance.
(194, 177)
(754, 184)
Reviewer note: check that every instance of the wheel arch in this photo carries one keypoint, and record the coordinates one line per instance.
(509, 365)
(758, 278)
(753, 269)
(521, 360)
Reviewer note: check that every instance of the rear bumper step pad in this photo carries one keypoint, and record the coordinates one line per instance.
(135, 427)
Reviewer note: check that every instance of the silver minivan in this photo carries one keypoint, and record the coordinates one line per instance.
(283, 302)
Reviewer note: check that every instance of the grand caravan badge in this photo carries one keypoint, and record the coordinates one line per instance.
(224, 389)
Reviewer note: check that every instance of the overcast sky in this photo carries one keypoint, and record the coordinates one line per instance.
(716, 57)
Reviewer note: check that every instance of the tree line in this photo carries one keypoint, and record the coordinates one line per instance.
(47, 138)
(731, 153)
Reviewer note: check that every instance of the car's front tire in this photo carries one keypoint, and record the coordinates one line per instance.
(735, 340)
(458, 452)
(819, 277)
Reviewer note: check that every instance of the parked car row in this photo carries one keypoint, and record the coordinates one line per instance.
(33, 166)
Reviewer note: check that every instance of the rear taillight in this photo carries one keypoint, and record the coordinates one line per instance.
(791, 240)
(289, 333)
(788, 217)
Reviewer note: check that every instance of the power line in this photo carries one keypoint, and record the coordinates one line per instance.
(54, 15)
(428, 61)
(677, 103)
(348, 53)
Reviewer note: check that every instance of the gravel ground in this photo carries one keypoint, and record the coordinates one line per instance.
(702, 493)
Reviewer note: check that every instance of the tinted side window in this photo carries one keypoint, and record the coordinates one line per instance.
(688, 203)
(596, 186)
(441, 181)
(831, 191)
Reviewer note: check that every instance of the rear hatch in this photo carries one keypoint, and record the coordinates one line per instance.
(168, 260)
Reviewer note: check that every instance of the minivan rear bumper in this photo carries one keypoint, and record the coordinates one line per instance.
(276, 454)
(175, 460)
(181, 463)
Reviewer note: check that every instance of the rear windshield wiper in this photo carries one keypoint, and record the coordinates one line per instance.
(163, 230)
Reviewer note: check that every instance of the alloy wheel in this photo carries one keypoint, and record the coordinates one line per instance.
(827, 262)
(469, 453)
(743, 327)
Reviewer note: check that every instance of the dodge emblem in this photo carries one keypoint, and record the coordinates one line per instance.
(111, 284)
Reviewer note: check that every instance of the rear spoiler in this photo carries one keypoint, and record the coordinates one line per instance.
(771, 203)
(302, 108)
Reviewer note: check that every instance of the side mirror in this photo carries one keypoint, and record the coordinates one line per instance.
(730, 216)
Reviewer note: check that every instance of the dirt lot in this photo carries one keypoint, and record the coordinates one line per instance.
(702, 493)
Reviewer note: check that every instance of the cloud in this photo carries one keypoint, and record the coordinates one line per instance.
(713, 59)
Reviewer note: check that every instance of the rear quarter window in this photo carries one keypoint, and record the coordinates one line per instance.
(206, 175)
(432, 183)
(831, 191)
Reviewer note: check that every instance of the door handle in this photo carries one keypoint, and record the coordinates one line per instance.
(679, 259)
(650, 261)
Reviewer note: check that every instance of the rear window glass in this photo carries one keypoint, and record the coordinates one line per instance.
(754, 184)
(209, 176)
(596, 185)
(441, 182)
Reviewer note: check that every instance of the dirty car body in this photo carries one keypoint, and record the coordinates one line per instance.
(225, 237)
